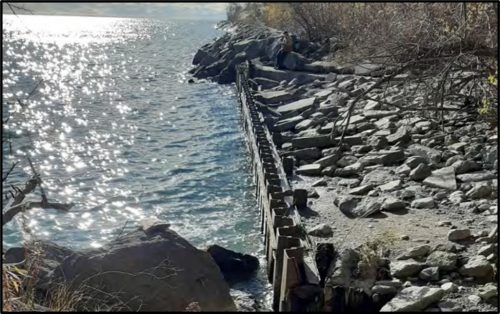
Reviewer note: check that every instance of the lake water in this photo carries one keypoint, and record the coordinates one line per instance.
(115, 128)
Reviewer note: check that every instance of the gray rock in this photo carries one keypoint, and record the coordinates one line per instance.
(465, 166)
(319, 141)
(403, 170)
(429, 274)
(488, 249)
(366, 208)
(459, 234)
(329, 171)
(346, 161)
(349, 182)
(379, 142)
(414, 161)
(273, 97)
(382, 289)
(426, 202)
(413, 299)
(305, 124)
(309, 170)
(306, 153)
(477, 176)
(391, 157)
(401, 135)
(370, 160)
(299, 105)
(378, 177)
(456, 197)
(449, 306)
(480, 190)
(478, 267)
(361, 190)
(488, 291)
(320, 182)
(390, 186)
(321, 230)
(329, 160)
(287, 124)
(430, 154)
(393, 204)
(346, 204)
(444, 260)
(374, 114)
(416, 252)
(442, 178)
(449, 287)
(474, 299)
(420, 172)
(405, 268)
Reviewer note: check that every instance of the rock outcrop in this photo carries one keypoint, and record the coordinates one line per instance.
(153, 269)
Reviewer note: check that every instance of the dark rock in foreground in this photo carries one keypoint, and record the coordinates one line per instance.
(153, 269)
(233, 265)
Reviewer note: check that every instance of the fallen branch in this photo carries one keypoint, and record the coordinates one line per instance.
(9, 171)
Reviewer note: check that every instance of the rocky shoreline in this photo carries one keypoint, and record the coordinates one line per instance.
(379, 166)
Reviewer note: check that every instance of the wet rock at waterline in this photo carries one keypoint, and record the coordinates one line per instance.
(233, 265)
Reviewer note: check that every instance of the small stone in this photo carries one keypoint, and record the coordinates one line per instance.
(404, 237)
(488, 249)
(474, 299)
(361, 190)
(479, 191)
(406, 268)
(442, 178)
(449, 306)
(456, 197)
(413, 299)
(393, 204)
(403, 170)
(458, 234)
(449, 287)
(488, 291)
(321, 230)
(390, 186)
(381, 289)
(320, 182)
(309, 170)
(426, 202)
(329, 171)
(477, 267)
(465, 166)
(429, 274)
(444, 260)
(414, 161)
(421, 172)
(401, 135)
(444, 223)
(407, 194)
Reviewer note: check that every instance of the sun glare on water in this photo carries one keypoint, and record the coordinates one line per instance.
(71, 29)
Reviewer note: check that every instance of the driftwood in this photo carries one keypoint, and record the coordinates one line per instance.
(16, 205)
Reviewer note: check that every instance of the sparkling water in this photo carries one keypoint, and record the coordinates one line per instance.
(103, 108)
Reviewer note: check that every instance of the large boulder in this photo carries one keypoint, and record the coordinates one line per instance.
(233, 265)
(149, 269)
